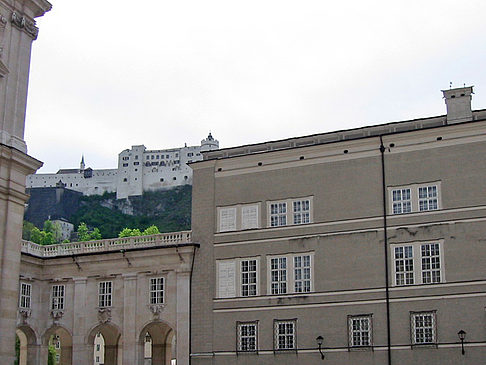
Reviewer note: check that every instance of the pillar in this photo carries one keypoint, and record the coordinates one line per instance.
(182, 331)
(130, 319)
(81, 350)
(17, 31)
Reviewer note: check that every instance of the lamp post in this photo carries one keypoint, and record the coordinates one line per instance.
(462, 336)
(320, 340)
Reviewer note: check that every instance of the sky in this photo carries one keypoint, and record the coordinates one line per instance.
(106, 75)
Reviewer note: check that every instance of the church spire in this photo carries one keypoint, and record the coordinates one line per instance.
(81, 165)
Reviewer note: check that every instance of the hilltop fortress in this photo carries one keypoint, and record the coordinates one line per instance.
(138, 170)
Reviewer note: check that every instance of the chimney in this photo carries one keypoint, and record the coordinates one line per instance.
(458, 102)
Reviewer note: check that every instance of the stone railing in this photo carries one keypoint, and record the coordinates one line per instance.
(111, 244)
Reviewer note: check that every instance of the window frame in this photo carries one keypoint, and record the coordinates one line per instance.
(103, 297)
(25, 299)
(237, 282)
(418, 263)
(290, 213)
(61, 299)
(433, 327)
(351, 318)
(414, 197)
(276, 334)
(155, 291)
(290, 273)
(238, 223)
(239, 336)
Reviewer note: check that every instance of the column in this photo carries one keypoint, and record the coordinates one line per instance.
(182, 340)
(81, 350)
(130, 318)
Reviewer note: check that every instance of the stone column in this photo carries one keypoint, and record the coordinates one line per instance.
(81, 353)
(129, 318)
(17, 30)
(182, 340)
(14, 167)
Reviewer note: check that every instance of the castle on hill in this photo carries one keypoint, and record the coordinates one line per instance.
(138, 170)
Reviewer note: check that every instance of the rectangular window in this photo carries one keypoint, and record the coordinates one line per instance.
(301, 211)
(289, 274)
(248, 278)
(360, 330)
(404, 265)
(284, 335)
(25, 295)
(156, 290)
(423, 327)
(302, 274)
(418, 263)
(278, 274)
(427, 198)
(289, 212)
(414, 198)
(226, 279)
(249, 216)
(247, 336)
(278, 214)
(57, 297)
(227, 219)
(104, 293)
(430, 263)
(401, 201)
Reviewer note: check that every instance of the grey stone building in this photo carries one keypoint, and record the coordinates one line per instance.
(368, 243)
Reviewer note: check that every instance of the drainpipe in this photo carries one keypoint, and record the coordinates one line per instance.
(190, 303)
(385, 244)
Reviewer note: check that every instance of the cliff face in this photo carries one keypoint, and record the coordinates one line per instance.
(169, 210)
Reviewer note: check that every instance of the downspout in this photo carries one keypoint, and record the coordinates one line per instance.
(190, 303)
(385, 244)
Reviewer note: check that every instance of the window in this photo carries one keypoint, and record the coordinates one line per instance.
(156, 290)
(423, 328)
(238, 217)
(284, 336)
(25, 295)
(359, 329)
(247, 336)
(104, 293)
(290, 211)
(302, 274)
(278, 214)
(97, 347)
(301, 211)
(125, 165)
(136, 163)
(415, 198)
(417, 263)
(57, 297)
(237, 277)
(290, 274)
(248, 277)
(427, 198)
(278, 273)
(401, 201)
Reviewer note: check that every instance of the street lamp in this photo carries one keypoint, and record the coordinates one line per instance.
(462, 336)
(320, 340)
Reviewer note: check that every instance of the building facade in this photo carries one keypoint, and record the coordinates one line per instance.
(365, 245)
(17, 32)
(111, 302)
(138, 170)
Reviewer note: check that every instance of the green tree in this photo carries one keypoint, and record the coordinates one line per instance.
(27, 230)
(54, 228)
(151, 230)
(51, 359)
(95, 235)
(36, 235)
(83, 232)
(127, 232)
(47, 238)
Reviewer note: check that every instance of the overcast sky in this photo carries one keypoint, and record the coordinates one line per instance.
(109, 74)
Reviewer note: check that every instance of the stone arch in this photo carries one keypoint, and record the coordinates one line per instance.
(162, 343)
(111, 335)
(66, 342)
(30, 349)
